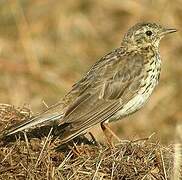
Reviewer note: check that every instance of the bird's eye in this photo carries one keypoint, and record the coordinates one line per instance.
(148, 33)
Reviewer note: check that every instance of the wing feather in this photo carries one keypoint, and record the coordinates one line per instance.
(80, 127)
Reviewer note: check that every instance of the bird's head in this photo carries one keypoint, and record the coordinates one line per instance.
(146, 34)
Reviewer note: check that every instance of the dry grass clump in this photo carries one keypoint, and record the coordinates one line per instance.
(42, 158)
(131, 160)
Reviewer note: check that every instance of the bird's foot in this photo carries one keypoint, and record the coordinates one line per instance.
(109, 134)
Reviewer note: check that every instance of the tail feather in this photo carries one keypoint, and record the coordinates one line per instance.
(33, 122)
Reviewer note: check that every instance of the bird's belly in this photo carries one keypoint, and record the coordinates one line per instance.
(143, 94)
(134, 104)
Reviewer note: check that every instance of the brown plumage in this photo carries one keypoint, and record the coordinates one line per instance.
(117, 85)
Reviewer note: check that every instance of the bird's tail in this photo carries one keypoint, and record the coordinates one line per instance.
(49, 116)
(34, 121)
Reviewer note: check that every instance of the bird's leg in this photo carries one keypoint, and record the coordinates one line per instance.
(109, 134)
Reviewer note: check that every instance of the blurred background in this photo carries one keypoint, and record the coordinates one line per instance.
(47, 45)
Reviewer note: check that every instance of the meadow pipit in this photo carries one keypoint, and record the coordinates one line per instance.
(117, 85)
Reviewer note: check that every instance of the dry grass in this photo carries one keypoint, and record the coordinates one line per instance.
(132, 160)
(42, 158)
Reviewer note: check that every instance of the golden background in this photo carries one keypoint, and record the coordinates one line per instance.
(47, 45)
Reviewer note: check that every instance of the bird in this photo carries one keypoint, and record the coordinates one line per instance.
(117, 85)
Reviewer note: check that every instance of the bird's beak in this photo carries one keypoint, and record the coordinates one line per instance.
(167, 31)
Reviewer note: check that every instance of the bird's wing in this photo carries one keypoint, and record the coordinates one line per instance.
(113, 82)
